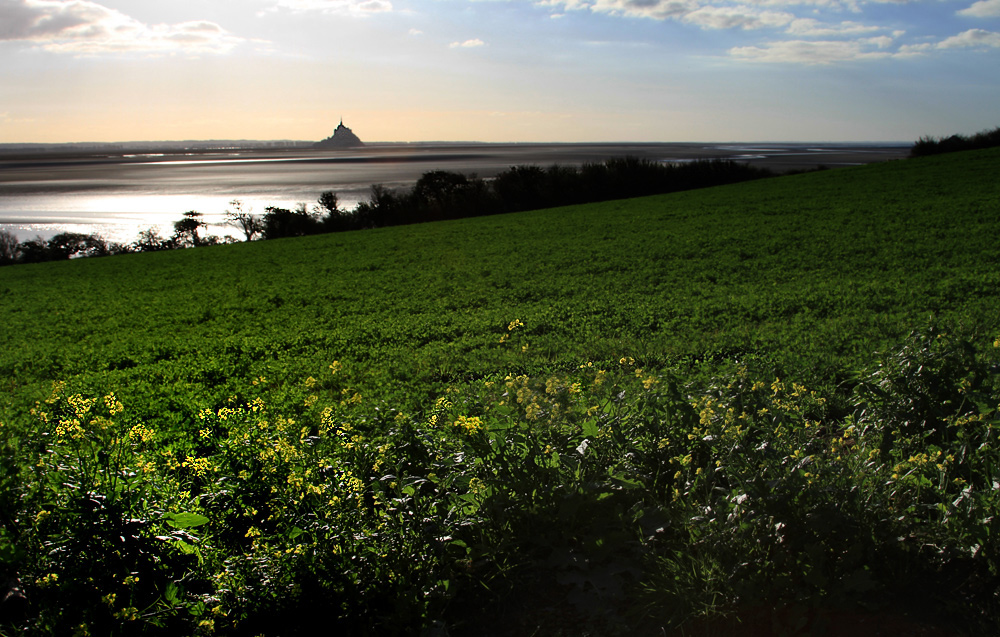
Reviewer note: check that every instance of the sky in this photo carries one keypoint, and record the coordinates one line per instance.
(498, 70)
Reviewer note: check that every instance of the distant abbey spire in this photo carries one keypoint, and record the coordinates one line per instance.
(343, 137)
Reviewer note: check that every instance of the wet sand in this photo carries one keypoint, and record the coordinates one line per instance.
(34, 171)
(118, 192)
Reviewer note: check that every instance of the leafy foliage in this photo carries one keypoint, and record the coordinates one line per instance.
(605, 482)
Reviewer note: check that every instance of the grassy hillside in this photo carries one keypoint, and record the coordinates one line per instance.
(824, 267)
(658, 408)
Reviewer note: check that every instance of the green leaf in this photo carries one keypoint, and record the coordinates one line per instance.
(187, 549)
(171, 593)
(185, 520)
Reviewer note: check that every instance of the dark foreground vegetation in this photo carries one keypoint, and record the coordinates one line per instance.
(775, 399)
(935, 146)
(437, 195)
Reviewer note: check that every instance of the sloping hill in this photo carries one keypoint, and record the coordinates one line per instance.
(611, 418)
(825, 267)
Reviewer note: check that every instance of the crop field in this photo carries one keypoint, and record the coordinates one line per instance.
(773, 398)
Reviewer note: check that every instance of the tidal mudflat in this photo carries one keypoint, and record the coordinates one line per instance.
(116, 194)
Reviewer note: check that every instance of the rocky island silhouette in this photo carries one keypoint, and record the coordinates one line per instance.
(343, 137)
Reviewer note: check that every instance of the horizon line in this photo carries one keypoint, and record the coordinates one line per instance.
(441, 141)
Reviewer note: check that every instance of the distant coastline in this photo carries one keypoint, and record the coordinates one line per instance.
(116, 190)
(214, 145)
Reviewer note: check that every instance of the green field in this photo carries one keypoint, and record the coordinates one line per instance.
(641, 413)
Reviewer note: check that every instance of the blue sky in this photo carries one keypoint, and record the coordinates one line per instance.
(495, 70)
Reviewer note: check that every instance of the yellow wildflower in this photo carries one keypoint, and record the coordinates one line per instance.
(468, 425)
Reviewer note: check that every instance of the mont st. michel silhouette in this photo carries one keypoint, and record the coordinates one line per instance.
(343, 137)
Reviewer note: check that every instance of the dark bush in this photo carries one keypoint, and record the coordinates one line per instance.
(932, 146)
(8, 247)
(282, 222)
(150, 241)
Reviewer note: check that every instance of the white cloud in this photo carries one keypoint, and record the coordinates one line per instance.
(678, 9)
(973, 38)
(565, 5)
(358, 8)
(468, 44)
(416, 32)
(982, 9)
(84, 27)
(807, 27)
(738, 17)
(815, 51)
(977, 38)
(655, 9)
(728, 14)
(811, 39)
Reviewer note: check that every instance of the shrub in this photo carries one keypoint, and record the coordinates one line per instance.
(935, 146)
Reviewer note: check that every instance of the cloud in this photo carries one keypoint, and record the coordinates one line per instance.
(810, 39)
(714, 14)
(737, 17)
(655, 9)
(84, 27)
(973, 38)
(815, 51)
(976, 38)
(807, 27)
(357, 8)
(468, 44)
(982, 9)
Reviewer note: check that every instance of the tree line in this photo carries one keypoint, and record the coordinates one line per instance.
(436, 196)
(937, 145)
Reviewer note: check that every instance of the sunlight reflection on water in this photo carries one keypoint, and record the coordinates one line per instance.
(117, 196)
(121, 217)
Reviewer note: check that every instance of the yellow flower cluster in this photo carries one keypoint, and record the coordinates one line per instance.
(468, 424)
(69, 427)
(141, 433)
(200, 466)
(81, 406)
(113, 405)
(913, 466)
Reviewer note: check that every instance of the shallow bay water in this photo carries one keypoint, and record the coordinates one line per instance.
(116, 195)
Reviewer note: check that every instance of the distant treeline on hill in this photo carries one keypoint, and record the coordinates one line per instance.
(436, 196)
(935, 146)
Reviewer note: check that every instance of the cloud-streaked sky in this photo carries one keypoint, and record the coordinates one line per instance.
(498, 70)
